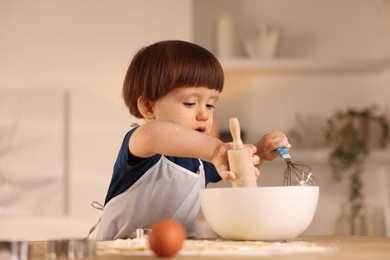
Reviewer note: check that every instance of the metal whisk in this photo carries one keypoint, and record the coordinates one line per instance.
(296, 173)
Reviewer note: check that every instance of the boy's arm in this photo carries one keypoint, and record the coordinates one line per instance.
(174, 140)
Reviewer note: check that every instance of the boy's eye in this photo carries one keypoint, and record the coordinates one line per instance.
(189, 104)
(209, 106)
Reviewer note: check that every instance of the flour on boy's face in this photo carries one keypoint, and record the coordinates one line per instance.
(191, 107)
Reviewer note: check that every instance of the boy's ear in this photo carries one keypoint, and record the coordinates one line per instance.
(145, 107)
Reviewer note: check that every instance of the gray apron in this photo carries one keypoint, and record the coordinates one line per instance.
(166, 190)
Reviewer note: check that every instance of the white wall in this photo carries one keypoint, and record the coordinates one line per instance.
(84, 47)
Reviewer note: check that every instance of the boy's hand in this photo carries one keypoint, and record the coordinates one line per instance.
(221, 163)
(266, 147)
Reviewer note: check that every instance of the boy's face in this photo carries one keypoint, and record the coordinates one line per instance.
(191, 107)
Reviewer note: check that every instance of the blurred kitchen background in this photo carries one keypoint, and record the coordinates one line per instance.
(289, 65)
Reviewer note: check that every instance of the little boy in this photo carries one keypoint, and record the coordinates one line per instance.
(162, 164)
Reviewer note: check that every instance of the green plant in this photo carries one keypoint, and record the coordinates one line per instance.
(348, 134)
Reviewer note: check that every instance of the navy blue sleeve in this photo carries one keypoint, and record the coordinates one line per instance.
(126, 174)
(211, 173)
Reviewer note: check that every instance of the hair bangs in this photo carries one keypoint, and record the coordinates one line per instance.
(198, 72)
(194, 66)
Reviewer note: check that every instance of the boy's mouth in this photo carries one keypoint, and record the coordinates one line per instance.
(201, 129)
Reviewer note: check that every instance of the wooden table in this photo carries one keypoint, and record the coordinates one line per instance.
(337, 247)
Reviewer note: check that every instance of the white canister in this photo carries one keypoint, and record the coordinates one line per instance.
(225, 36)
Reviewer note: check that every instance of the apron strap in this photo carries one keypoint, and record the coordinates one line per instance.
(97, 206)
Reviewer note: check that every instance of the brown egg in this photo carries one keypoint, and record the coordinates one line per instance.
(167, 237)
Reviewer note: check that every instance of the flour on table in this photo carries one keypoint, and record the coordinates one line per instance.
(139, 246)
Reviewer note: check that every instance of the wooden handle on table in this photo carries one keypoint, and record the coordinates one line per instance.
(235, 131)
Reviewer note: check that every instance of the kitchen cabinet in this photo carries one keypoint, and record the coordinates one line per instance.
(308, 41)
(303, 65)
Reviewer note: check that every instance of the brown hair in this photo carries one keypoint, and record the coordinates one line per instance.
(157, 69)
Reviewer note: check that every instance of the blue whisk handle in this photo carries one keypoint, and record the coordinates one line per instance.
(283, 152)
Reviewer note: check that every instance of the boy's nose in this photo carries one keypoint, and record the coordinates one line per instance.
(202, 115)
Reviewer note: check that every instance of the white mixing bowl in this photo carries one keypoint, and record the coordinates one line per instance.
(263, 213)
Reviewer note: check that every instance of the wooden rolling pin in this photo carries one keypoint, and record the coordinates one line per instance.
(240, 158)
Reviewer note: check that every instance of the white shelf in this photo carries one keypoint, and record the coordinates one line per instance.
(322, 155)
(304, 65)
